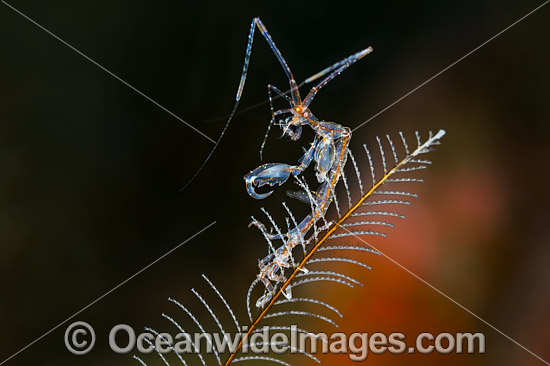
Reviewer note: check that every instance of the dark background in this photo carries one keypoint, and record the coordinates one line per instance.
(90, 171)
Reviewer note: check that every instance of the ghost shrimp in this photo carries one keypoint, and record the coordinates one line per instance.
(328, 151)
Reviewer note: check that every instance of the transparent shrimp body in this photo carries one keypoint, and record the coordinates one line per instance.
(328, 152)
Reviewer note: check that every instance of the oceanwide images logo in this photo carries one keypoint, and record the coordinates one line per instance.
(80, 339)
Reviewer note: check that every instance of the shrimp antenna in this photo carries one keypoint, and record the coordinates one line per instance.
(256, 22)
(214, 148)
(309, 80)
(334, 70)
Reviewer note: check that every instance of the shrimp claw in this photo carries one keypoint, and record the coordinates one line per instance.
(271, 174)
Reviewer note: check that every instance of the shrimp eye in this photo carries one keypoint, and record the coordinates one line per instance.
(306, 114)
